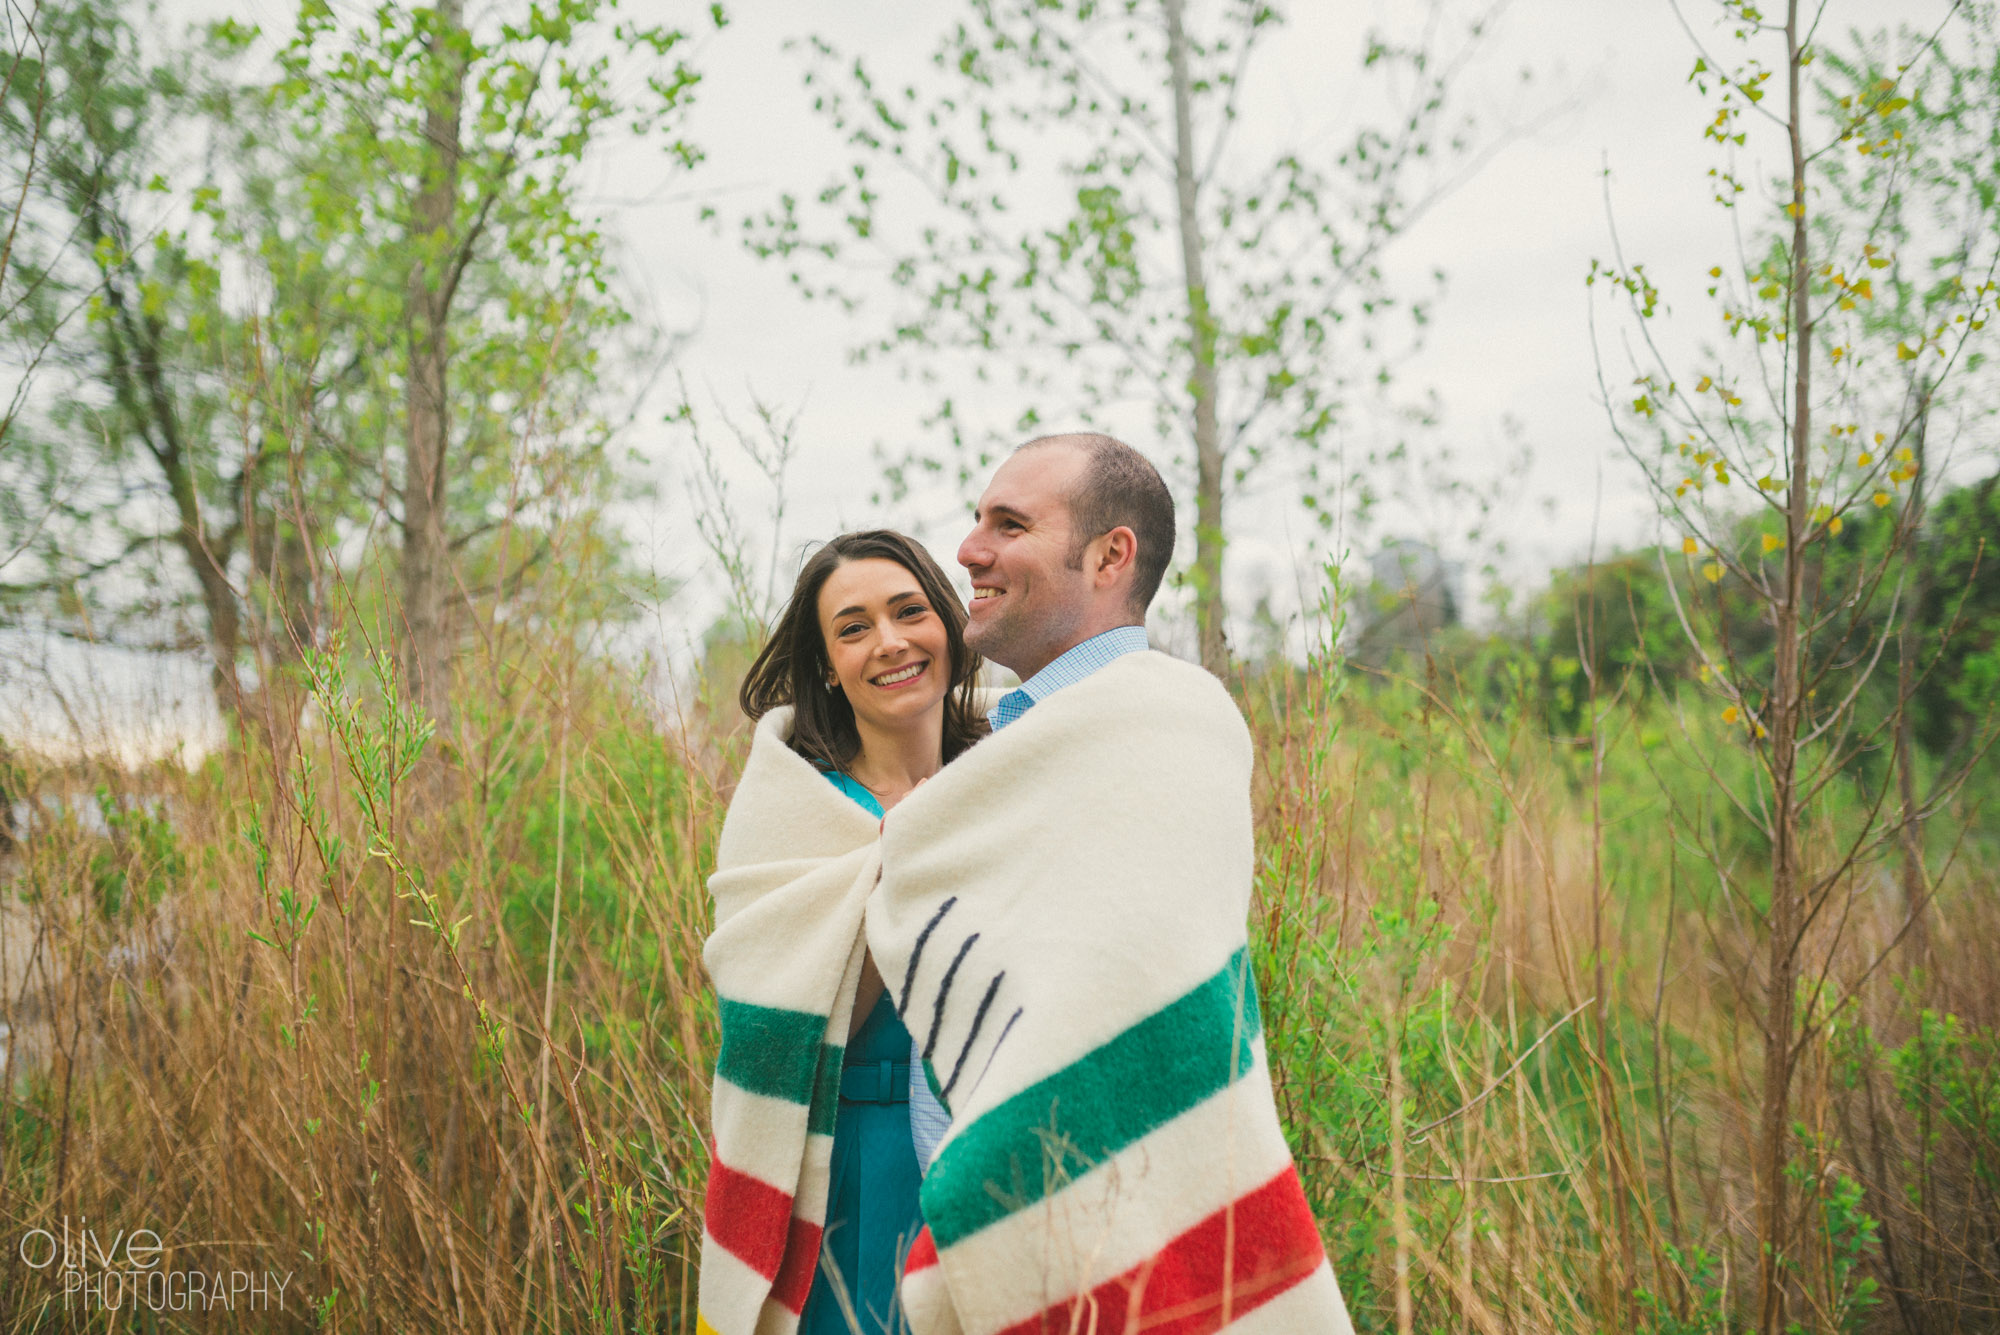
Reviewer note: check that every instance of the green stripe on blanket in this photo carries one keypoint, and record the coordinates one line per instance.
(777, 1053)
(826, 1090)
(1057, 1129)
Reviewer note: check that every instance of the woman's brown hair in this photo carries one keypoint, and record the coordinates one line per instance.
(793, 667)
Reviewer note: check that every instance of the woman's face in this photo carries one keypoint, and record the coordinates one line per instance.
(885, 641)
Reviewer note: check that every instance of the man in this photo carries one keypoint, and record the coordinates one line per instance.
(1061, 921)
(1068, 547)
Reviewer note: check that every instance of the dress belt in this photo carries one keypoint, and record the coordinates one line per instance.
(875, 1082)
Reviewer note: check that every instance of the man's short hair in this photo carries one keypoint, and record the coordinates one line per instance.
(1119, 486)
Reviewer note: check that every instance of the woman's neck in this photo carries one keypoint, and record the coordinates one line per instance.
(891, 763)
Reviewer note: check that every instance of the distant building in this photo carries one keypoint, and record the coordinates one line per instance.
(1412, 594)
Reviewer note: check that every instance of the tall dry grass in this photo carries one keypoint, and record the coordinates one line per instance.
(421, 1023)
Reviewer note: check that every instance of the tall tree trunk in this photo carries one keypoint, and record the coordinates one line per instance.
(1787, 876)
(1209, 610)
(283, 562)
(218, 598)
(139, 384)
(427, 643)
(1916, 883)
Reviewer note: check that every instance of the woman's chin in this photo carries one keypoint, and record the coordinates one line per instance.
(912, 711)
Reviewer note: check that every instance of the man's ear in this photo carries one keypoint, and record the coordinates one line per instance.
(1112, 556)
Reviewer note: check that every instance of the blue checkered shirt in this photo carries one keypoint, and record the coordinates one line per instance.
(928, 1120)
(1067, 670)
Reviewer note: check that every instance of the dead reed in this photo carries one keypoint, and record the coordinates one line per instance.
(420, 1023)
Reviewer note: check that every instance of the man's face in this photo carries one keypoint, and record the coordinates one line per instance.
(1027, 603)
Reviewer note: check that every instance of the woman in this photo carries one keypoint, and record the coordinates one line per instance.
(870, 661)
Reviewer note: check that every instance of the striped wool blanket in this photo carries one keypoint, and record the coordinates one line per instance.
(1061, 920)
(794, 866)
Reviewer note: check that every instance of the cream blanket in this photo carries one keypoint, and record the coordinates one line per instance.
(1060, 919)
(796, 861)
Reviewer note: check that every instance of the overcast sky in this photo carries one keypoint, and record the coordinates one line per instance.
(1509, 341)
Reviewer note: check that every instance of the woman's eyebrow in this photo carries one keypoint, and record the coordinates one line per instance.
(894, 598)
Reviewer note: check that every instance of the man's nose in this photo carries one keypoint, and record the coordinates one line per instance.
(972, 553)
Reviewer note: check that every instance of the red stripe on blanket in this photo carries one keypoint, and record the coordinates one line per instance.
(1273, 1243)
(795, 1272)
(750, 1217)
(923, 1253)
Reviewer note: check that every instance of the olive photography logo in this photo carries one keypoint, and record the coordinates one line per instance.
(133, 1270)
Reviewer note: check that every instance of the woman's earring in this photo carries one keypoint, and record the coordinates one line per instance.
(832, 682)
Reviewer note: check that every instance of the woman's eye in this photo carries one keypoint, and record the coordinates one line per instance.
(915, 609)
(850, 629)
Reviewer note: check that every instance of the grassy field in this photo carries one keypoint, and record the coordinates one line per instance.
(421, 1024)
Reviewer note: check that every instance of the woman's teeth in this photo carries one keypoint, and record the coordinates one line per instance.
(899, 675)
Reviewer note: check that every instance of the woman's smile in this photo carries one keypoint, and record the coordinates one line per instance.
(901, 676)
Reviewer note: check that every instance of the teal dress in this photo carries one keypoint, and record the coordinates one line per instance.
(871, 1206)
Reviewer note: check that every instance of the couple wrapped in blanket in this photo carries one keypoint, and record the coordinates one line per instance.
(990, 1056)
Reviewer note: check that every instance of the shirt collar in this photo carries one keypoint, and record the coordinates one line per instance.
(1080, 660)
